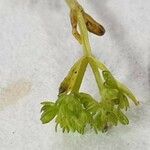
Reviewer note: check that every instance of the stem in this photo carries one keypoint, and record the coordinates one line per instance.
(100, 64)
(96, 72)
(73, 4)
(84, 34)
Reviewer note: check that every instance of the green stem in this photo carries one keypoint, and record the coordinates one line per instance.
(74, 5)
(84, 34)
(100, 64)
(97, 75)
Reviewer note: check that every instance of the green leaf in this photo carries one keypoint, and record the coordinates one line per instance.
(122, 118)
(110, 81)
(123, 102)
(47, 105)
(109, 94)
(112, 118)
(97, 123)
(71, 114)
(89, 103)
(126, 102)
(48, 115)
(127, 92)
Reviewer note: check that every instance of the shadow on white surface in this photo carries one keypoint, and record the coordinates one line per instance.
(14, 92)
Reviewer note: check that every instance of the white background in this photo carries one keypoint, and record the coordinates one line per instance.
(36, 52)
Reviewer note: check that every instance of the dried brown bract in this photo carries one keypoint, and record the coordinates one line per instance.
(92, 25)
(74, 23)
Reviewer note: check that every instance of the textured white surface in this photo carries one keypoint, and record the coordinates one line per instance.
(36, 52)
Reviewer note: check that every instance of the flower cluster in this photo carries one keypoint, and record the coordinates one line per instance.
(74, 111)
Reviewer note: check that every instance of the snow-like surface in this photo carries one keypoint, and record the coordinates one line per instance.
(36, 52)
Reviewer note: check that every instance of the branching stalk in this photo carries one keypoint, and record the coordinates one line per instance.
(74, 110)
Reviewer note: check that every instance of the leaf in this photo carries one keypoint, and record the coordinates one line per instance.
(126, 102)
(71, 115)
(110, 94)
(97, 123)
(113, 118)
(116, 101)
(122, 118)
(48, 115)
(123, 102)
(89, 103)
(47, 105)
(125, 90)
(110, 81)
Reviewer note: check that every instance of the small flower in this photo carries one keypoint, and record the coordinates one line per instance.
(69, 111)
